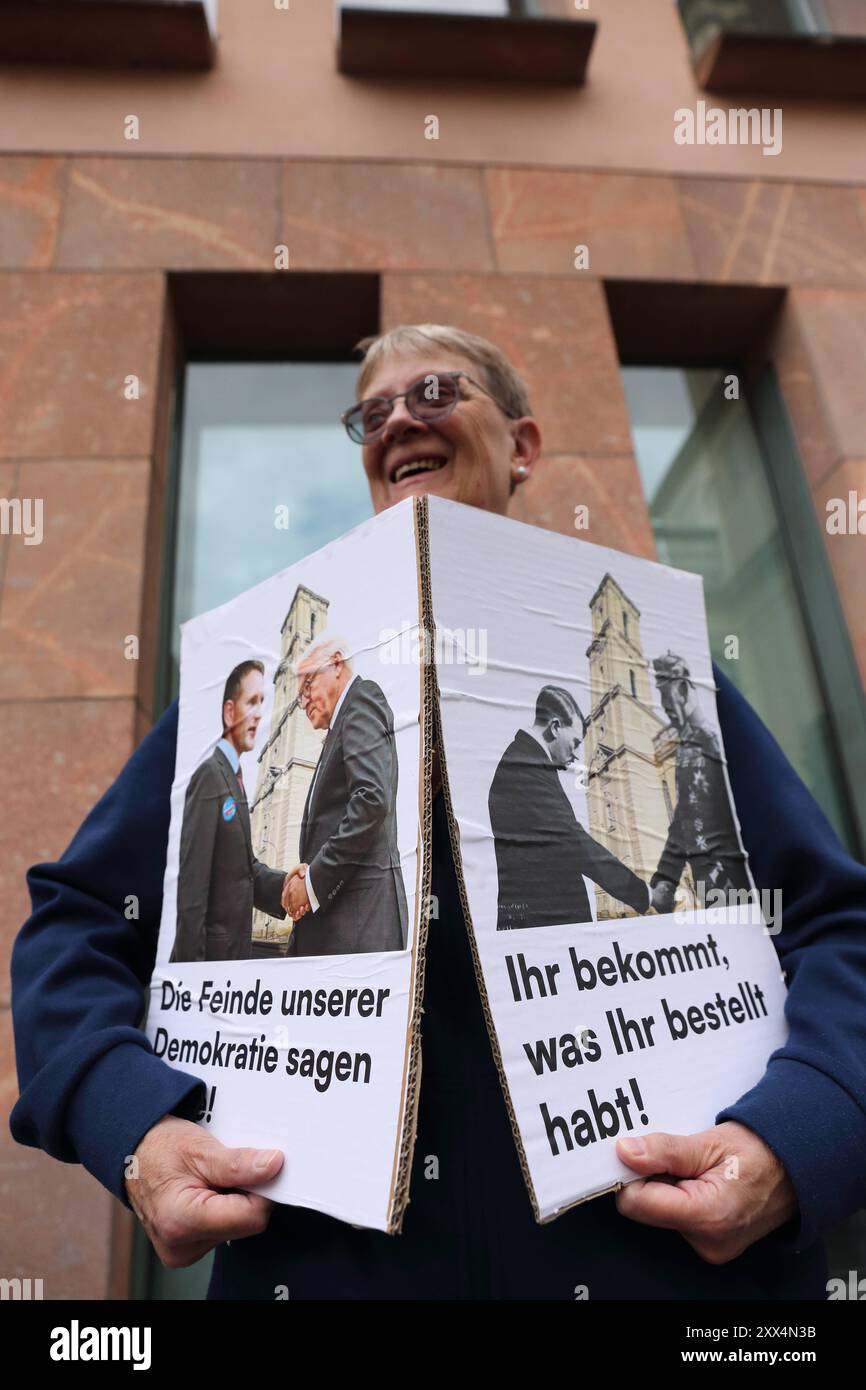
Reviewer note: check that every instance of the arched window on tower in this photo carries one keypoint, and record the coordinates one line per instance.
(610, 813)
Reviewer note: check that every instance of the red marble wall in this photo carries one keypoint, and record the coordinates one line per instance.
(68, 696)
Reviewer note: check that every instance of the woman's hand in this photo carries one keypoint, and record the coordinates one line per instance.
(730, 1188)
(182, 1185)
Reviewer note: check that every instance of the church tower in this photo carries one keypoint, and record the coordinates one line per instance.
(287, 761)
(630, 750)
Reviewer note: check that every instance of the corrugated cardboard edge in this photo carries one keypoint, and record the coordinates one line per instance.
(454, 833)
(412, 1063)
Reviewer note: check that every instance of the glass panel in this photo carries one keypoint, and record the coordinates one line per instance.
(432, 6)
(713, 513)
(704, 19)
(258, 437)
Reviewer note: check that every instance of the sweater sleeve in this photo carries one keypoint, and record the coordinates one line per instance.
(810, 1105)
(91, 1086)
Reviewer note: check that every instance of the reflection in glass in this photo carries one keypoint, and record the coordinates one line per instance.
(712, 512)
(262, 444)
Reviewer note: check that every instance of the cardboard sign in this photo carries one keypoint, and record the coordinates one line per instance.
(629, 977)
(306, 1031)
(626, 970)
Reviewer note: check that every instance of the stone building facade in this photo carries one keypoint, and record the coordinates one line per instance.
(127, 257)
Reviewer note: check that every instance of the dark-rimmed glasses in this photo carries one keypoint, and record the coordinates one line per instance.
(431, 398)
(306, 687)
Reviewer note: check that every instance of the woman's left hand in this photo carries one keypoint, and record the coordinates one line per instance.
(730, 1188)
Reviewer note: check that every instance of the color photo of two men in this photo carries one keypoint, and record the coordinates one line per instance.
(346, 894)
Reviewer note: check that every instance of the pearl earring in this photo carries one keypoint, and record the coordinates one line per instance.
(520, 471)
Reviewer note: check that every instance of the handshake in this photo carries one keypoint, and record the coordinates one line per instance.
(295, 898)
(662, 895)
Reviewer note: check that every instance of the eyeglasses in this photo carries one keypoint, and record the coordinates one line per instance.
(306, 687)
(431, 398)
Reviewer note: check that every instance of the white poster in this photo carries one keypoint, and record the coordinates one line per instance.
(293, 996)
(631, 976)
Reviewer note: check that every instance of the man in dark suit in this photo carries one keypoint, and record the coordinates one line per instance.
(219, 879)
(702, 832)
(349, 886)
(542, 853)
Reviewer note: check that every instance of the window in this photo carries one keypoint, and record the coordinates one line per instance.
(608, 803)
(119, 34)
(254, 437)
(501, 7)
(807, 16)
(258, 438)
(704, 20)
(544, 41)
(712, 510)
(804, 47)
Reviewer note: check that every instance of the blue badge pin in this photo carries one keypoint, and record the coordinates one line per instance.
(230, 806)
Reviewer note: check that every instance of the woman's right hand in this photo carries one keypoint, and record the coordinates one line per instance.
(183, 1186)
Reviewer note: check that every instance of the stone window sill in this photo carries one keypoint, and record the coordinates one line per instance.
(827, 66)
(406, 44)
(109, 33)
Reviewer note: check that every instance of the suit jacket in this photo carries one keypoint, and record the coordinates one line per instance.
(219, 879)
(542, 853)
(702, 832)
(349, 834)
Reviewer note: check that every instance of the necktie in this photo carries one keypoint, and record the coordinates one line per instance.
(319, 763)
(240, 777)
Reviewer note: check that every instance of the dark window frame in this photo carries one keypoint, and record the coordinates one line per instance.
(168, 34)
(517, 47)
(835, 661)
(733, 56)
(241, 317)
(668, 324)
(225, 317)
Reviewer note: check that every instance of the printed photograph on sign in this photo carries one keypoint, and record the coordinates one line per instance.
(325, 792)
(648, 759)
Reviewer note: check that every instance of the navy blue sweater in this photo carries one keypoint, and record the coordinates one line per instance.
(91, 1086)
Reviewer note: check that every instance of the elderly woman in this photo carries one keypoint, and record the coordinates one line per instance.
(744, 1204)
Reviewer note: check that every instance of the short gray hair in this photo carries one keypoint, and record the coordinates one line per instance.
(324, 646)
(495, 370)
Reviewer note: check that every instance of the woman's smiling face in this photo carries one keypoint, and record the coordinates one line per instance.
(467, 457)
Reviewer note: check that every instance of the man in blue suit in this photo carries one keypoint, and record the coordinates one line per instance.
(219, 879)
(93, 1092)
